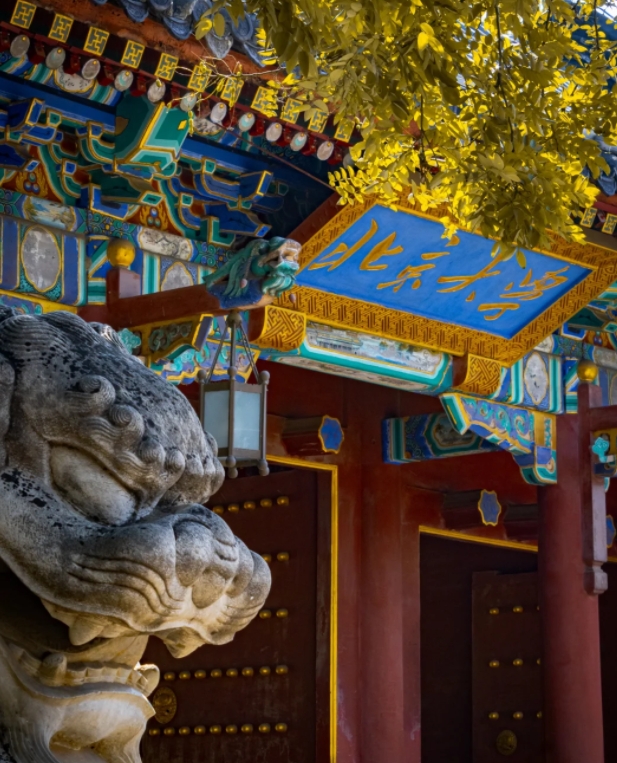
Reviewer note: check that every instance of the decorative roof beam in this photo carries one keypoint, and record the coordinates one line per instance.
(528, 435)
(426, 437)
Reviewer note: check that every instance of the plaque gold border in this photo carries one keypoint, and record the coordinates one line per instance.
(350, 313)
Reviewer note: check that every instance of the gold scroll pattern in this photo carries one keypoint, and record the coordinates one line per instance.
(283, 330)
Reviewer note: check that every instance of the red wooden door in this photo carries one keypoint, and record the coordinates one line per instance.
(507, 678)
(253, 700)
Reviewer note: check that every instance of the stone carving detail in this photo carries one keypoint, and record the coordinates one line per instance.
(103, 541)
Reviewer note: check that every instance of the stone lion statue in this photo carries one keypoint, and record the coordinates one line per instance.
(104, 540)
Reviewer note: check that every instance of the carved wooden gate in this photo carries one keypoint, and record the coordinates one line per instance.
(507, 678)
(258, 698)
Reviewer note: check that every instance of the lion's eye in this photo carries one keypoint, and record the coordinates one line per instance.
(90, 488)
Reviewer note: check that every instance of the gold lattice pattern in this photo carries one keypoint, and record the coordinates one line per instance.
(483, 376)
(283, 330)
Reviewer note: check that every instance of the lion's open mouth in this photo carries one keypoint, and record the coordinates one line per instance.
(53, 670)
(45, 652)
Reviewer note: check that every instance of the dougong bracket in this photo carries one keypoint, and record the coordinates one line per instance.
(528, 435)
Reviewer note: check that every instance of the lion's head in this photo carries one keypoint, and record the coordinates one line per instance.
(103, 540)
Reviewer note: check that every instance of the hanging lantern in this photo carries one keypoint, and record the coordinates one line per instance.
(274, 132)
(246, 121)
(123, 80)
(218, 113)
(234, 412)
(91, 69)
(156, 91)
(55, 58)
(298, 141)
(325, 150)
(19, 46)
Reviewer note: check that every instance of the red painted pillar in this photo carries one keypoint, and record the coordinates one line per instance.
(389, 601)
(571, 631)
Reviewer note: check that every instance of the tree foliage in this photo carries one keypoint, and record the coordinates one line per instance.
(484, 105)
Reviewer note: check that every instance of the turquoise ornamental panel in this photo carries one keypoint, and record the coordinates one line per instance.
(400, 261)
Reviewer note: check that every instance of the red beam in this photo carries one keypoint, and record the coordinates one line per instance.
(126, 307)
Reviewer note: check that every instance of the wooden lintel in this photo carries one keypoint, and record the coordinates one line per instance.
(460, 510)
(521, 521)
(126, 308)
(603, 418)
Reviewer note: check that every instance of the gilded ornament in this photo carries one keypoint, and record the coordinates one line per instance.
(282, 500)
(231, 672)
(154, 732)
(493, 716)
(264, 728)
(281, 670)
(248, 672)
(231, 729)
(539, 714)
(282, 613)
(265, 614)
(169, 731)
(493, 611)
(165, 704)
(199, 730)
(518, 716)
(249, 505)
(517, 662)
(265, 503)
(234, 508)
(184, 731)
(200, 674)
(267, 558)
(493, 664)
(120, 252)
(216, 729)
(169, 676)
(185, 675)
(517, 610)
(282, 556)
(482, 375)
(277, 328)
(264, 671)
(246, 728)
(219, 510)
(281, 728)
(587, 371)
(216, 673)
(506, 742)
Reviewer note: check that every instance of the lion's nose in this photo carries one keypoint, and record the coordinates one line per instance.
(193, 551)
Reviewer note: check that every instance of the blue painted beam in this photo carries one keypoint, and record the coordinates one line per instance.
(80, 110)
(427, 437)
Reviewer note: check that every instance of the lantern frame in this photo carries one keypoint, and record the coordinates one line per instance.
(230, 455)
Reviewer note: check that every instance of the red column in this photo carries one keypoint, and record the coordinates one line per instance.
(571, 631)
(389, 599)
